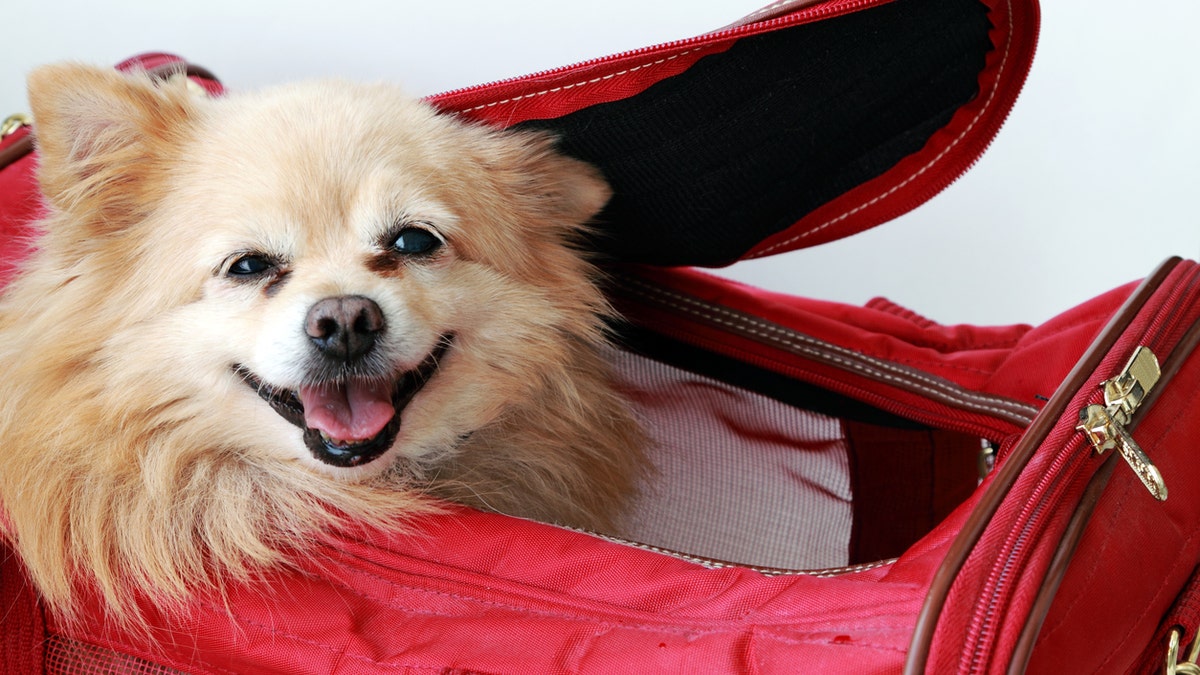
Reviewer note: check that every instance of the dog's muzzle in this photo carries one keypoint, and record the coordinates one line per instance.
(349, 416)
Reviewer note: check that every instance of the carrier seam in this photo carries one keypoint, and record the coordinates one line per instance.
(920, 172)
(711, 563)
(584, 83)
(841, 357)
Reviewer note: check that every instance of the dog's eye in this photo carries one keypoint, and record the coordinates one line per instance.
(416, 241)
(250, 266)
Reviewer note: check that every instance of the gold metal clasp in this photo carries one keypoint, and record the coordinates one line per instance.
(12, 123)
(1105, 425)
(1125, 392)
(1191, 664)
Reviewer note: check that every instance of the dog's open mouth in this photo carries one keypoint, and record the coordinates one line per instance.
(350, 421)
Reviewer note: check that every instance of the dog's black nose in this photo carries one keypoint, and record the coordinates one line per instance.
(344, 328)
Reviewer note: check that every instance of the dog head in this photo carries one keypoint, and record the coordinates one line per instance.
(373, 280)
(250, 318)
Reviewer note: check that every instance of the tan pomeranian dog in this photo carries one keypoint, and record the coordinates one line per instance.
(251, 317)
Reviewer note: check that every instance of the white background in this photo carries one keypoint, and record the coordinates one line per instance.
(1091, 183)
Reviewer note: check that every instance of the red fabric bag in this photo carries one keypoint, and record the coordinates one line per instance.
(840, 488)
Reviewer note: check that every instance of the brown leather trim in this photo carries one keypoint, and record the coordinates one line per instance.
(1058, 565)
(1010, 470)
(1171, 364)
(1083, 513)
(777, 336)
(18, 149)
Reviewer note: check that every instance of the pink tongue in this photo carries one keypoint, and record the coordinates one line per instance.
(348, 411)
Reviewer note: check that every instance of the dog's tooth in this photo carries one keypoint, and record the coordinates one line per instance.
(343, 442)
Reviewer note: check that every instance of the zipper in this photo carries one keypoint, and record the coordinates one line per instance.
(1106, 425)
(1117, 399)
(1012, 557)
(791, 343)
(1018, 27)
(734, 31)
(977, 142)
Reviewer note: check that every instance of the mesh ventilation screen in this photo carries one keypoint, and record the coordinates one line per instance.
(68, 657)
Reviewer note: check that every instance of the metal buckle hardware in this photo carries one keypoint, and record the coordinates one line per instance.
(1189, 666)
(12, 123)
(1105, 424)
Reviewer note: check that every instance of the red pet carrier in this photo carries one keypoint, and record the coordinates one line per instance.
(839, 488)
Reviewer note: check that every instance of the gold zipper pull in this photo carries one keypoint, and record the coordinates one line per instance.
(1106, 433)
(1105, 425)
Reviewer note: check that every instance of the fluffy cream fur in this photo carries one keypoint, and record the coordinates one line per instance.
(135, 461)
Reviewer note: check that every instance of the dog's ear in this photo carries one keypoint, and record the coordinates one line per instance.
(102, 137)
(576, 189)
(557, 188)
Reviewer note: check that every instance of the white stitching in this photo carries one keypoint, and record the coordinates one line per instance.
(750, 18)
(847, 358)
(986, 107)
(584, 83)
(710, 563)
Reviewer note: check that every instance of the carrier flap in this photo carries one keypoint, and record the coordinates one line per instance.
(802, 124)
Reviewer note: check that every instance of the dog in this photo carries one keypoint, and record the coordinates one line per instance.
(251, 318)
